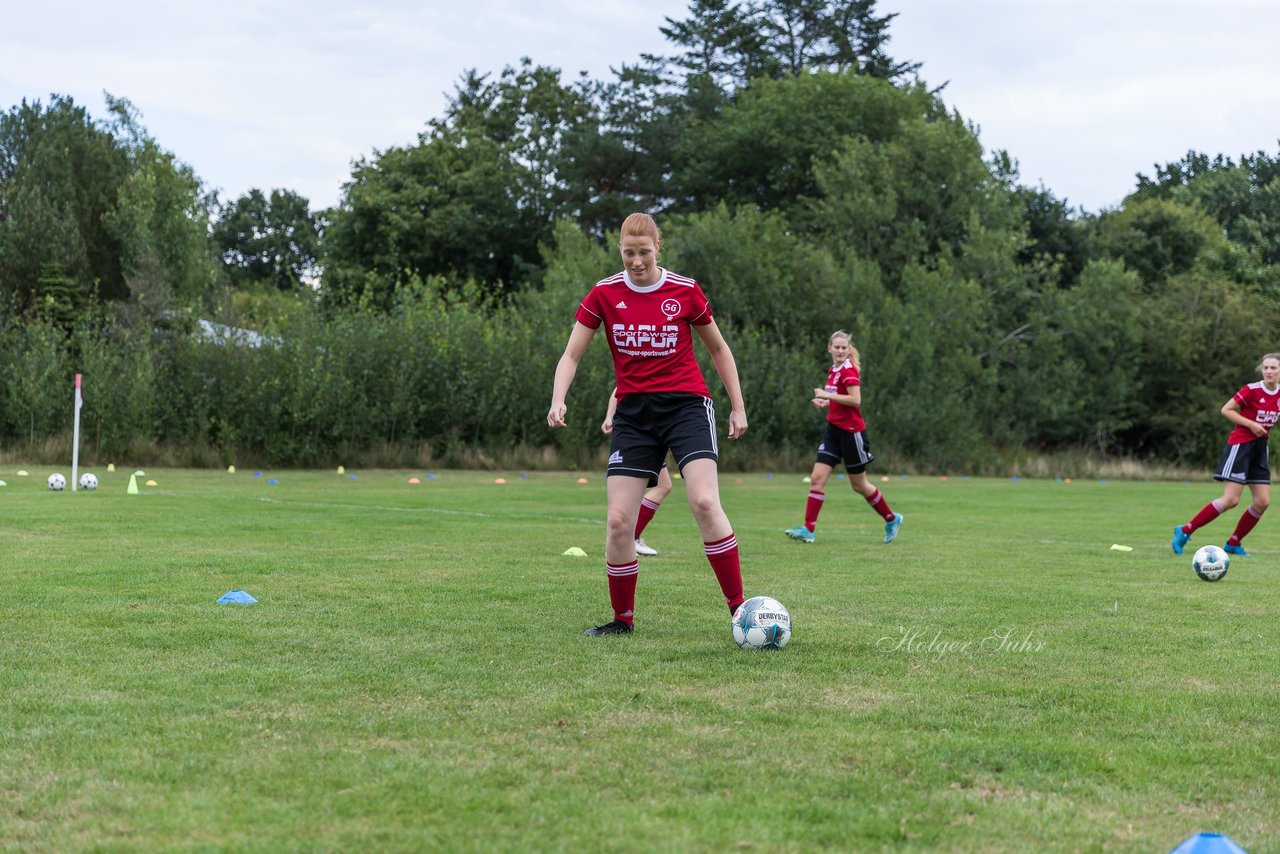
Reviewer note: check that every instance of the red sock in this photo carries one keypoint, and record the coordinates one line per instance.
(723, 556)
(622, 589)
(812, 508)
(1207, 514)
(878, 504)
(647, 509)
(1248, 519)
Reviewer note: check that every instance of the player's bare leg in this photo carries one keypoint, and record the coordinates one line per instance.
(624, 494)
(702, 482)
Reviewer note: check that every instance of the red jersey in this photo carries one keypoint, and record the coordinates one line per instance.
(840, 379)
(650, 331)
(1258, 404)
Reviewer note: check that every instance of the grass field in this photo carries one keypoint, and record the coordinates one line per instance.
(414, 676)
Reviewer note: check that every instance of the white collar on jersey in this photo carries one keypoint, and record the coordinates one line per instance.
(662, 280)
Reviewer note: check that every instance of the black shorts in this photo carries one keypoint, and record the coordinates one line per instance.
(646, 426)
(840, 445)
(1244, 463)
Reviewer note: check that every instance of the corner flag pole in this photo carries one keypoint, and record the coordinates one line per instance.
(75, 439)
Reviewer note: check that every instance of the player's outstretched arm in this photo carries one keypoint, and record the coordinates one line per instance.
(566, 369)
(727, 368)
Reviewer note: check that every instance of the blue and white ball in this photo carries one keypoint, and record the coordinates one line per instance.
(57, 482)
(88, 480)
(761, 623)
(1211, 563)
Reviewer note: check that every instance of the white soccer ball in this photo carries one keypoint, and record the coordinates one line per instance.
(761, 623)
(1211, 563)
(57, 482)
(88, 480)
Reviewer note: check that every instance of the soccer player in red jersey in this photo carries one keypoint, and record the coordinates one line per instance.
(653, 498)
(1254, 410)
(845, 441)
(650, 315)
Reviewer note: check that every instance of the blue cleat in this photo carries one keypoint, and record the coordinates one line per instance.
(1180, 538)
(800, 533)
(891, 528)
(1235, 550)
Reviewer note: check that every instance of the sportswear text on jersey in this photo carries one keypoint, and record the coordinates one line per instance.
(645, 339)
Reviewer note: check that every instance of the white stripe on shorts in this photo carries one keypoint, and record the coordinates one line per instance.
(710, 408)
(862, 451)
(1230, 464)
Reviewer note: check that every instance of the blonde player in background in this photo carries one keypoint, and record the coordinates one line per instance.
(1254, 410)
(845, 441)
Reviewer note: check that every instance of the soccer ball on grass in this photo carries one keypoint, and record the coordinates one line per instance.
(1211, 563)
(761, 623)
(57, 482)
(88, 480)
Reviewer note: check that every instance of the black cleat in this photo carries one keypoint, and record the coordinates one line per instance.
(615, 627)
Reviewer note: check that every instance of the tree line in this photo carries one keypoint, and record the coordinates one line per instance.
(804, 176)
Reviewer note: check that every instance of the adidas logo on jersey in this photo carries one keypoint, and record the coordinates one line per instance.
(622, 304)
(615, 457)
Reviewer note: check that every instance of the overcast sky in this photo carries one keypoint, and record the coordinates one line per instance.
(287, 93)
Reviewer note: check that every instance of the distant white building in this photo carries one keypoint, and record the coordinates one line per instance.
(221, 334)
